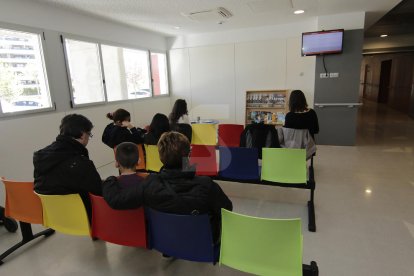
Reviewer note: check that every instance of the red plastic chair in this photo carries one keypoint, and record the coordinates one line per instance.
(123, 227)
(204, 158)
(229, 135)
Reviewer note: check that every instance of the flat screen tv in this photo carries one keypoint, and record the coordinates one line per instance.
(322, 43)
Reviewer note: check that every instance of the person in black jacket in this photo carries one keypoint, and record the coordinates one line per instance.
(64, 166)
(121, 129)
(158, 126)
(176, 189)
(299, 115)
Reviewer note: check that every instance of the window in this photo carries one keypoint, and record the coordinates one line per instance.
(84, 72)
(126, 73)
(159, 74)
(100, 73)
(23, 80)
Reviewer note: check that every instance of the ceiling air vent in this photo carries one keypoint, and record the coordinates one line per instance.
(213, 15)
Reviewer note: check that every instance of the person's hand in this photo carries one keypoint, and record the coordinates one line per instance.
(127, 124)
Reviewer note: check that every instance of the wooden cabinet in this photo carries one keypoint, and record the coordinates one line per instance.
(268, 106)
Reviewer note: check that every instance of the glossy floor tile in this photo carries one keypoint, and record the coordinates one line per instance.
(364, 205)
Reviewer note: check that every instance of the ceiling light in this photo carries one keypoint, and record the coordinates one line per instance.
(298, 11)
(368, 191)
(177, 27)
(383, 35)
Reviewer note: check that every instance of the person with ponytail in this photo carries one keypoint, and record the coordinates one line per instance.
(121, 129)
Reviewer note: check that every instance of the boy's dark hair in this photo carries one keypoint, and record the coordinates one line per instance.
(74, 125)
(297, 101)
(127, 155)
(173, 147)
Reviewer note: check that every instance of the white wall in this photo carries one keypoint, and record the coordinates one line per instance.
(22, 135)
(214, 71)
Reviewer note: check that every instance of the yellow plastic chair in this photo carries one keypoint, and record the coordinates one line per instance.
(263, 246)
(153, 162)
(204, 134)
(284, 165)
(65, 214)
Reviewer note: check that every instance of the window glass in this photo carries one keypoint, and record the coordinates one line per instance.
(23, 79)
(84, 71)
(159, 74)
(126, 73)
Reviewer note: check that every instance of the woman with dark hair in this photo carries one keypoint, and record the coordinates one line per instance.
(299, 115)
(121, 129)
(158, 126)
(179, 113)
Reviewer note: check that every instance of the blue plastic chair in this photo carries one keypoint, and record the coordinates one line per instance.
(186, 237)
(239, 163)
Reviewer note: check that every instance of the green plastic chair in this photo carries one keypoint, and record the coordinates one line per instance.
(261, 246)
(284, 165)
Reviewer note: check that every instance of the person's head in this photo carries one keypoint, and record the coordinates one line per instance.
(119, 115)
(297, 101)
(159, 125)
(179, 109)
(76, 126)
(126, 156)
(174, 149)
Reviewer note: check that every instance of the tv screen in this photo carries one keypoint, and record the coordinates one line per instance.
(322, 43)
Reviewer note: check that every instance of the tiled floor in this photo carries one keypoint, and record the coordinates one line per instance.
(364, 214)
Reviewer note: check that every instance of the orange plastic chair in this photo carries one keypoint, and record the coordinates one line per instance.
(229, 135)
(23, 205)
(123, 227)
(204, 158)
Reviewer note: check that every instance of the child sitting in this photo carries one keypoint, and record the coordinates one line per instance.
(126, 159)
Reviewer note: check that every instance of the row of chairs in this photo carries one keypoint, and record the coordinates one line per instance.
(255, 245)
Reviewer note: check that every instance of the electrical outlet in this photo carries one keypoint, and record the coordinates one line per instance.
(324, 76)
(334, 75)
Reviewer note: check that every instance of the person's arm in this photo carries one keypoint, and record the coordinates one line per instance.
(288, 120)
(85, 176)
(315, 122)
(122, 198)
(219, 199)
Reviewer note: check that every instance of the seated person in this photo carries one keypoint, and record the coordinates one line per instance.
(158, 126)
(176, 189)
(126, 160)
(299, 115)
(121, 129)
(64, 166)
(179, 113)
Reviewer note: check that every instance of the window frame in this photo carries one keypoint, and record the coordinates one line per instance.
(119, 45)
(45, 64)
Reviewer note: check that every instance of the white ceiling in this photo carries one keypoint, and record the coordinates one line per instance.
(163, 15)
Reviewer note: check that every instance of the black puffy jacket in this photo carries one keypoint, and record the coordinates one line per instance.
(259, 136)
(171, 191)
(113, 135)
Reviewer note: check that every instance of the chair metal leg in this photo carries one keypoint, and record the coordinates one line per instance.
(310, 270)
(27, 236)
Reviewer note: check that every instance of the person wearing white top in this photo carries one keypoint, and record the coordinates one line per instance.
(179, 113)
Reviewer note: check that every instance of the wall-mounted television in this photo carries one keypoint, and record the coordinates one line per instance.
(322, 43)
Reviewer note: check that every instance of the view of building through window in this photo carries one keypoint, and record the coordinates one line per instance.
(23, 82)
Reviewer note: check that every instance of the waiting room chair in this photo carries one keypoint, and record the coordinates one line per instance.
(65, 214)
(23, 205)
(284, 165)
(186, 237)
(153, 162)
(288, 167)
(204, 134)
(239, 163)
(204, 158)
(229, 135)
(123, 227)
(263, 246)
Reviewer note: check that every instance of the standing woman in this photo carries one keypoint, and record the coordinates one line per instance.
(158, 126)
(121, 129)
(299, 115)
(179, 113)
